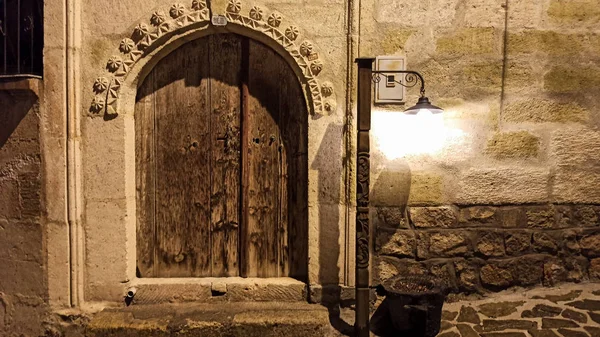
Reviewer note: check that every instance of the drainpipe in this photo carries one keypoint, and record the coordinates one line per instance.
(73, 176)
(352, 41)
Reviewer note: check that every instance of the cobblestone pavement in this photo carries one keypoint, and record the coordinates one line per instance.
(562, 311)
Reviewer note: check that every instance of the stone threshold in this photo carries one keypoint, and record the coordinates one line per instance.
(213, 319)
(226, 289)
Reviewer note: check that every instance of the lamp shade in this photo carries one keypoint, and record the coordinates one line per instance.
(423, 104)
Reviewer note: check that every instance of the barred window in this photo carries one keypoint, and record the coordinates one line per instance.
(21, 37)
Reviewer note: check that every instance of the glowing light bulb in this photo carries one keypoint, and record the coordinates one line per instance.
(398, 135)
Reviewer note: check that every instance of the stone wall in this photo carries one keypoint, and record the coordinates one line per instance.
(483, 248)
(504, 193)
(107, 160)
(23, 289)
(504, 190)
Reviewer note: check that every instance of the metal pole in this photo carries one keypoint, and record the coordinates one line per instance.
(361, 322)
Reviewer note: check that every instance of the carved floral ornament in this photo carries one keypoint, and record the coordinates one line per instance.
(131, 49)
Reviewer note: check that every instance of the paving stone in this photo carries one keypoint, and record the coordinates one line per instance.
(449, 315)
(445, 325)
(466, 331)
(527, 314)
(499, 325)
(503, 334)
(594, 316)
(468, 315)
(574, 315)
(449, 334)
(554, 323)
(542, 333)
(560, 298)
(542, 310)
(586, 304)
(499, 309)
(593, 331)
(572, 333)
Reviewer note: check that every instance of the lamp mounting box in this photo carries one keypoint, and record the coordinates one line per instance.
(387, 89)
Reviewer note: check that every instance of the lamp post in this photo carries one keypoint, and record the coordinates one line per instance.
(366, 75)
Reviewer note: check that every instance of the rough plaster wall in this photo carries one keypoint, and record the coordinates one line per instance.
(23, 299)
(519, 81)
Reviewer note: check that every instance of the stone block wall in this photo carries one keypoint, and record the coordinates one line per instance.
(509, 195)
(489, 248)
(23, 289)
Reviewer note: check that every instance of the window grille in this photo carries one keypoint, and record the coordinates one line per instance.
(21, 38)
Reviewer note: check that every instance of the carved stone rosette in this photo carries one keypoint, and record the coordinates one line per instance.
(196, 15)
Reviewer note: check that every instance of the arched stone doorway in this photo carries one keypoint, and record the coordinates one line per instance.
(221, 163)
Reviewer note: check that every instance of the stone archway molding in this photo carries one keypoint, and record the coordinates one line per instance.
(147, 37)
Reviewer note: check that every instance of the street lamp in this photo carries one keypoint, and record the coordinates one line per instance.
(411, 78)
(366, 75)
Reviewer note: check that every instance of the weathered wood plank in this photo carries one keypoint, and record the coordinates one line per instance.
(263, 161)
(245, 148)
(294, 130)
(222, 193)
(225, 68)
(282, 221)
(144, 156)
(183, 162)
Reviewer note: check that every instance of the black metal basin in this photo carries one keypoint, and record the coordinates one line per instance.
(412, 307)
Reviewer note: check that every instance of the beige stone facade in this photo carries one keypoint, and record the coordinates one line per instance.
(501, 190)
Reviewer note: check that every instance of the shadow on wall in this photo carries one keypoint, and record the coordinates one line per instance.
(21, 233)
(391, 187)
(390, 190)
(329, 194)
(14, 106)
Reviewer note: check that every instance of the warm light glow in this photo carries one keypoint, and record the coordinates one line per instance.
(398, 134)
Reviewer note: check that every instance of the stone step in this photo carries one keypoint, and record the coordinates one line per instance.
(211, 290)
(246, 319)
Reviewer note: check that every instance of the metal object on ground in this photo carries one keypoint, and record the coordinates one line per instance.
(412, 307)
(130, 295)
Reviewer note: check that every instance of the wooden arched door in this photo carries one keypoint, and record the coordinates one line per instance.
(221, 154)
